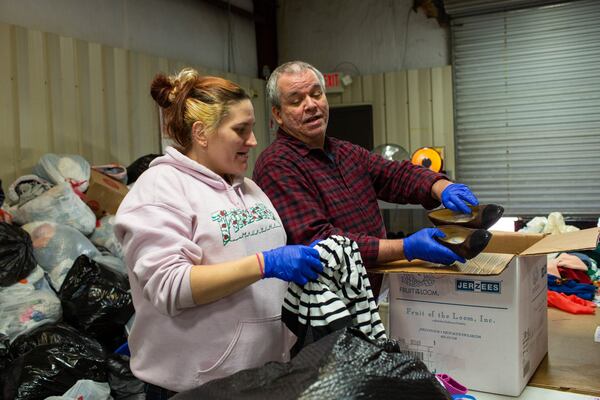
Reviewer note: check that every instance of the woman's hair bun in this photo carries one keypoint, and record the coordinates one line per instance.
(162, 90)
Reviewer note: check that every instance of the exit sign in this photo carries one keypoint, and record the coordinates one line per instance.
(333, 82)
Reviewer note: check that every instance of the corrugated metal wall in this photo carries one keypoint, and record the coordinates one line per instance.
(457, 8)
(527, 99)
(63, 95)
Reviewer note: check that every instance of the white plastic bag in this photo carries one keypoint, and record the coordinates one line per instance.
(536, 225)
(28, 304)
(25, 188)
(69, 168)
(104, 236)
(55, 248)
(59, 204)
(553, 224)
(85, 389)
(556, 224)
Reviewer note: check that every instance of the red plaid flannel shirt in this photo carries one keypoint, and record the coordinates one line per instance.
(321, 193)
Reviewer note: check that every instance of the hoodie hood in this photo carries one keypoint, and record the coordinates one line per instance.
(185, 164)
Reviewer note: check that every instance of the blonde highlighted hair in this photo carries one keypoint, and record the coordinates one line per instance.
(188, 97)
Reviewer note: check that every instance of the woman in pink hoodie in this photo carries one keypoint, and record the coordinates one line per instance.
(199, 239)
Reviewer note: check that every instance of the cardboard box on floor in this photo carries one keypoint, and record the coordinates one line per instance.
(483, 322)
(104, 194)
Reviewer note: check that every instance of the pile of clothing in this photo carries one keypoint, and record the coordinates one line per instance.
(64, 288)
(573, 277)
(573, 281)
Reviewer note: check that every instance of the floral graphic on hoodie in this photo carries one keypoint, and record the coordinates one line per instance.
(238, 223)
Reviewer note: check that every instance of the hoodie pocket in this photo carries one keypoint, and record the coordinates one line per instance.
(254, 343)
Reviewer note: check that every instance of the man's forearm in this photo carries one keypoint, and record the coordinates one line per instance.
(390, 250)
(438, 187)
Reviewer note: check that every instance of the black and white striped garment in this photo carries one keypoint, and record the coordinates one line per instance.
(340, 297)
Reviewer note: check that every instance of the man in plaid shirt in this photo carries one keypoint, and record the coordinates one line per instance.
(323, 186)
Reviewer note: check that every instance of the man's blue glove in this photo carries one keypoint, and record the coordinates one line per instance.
(423, 246)
(295, 263)
(456, 195)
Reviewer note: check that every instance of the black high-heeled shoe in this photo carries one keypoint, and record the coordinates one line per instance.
(481, 217)
(465, 242)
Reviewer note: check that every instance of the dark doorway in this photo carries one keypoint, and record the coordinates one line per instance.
(353, 123)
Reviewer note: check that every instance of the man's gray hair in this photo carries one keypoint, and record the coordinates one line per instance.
(292, 67)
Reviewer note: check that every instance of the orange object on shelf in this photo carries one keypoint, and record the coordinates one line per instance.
(428, 158)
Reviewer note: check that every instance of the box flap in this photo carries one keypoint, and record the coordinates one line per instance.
(586, 239)
(483, 264)
(511, 242)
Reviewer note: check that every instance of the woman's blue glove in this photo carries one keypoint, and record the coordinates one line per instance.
(295, 263)
(456, 195)
(423, 246)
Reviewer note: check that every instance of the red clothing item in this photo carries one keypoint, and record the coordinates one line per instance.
(575, 274)
(320, 193)
(571, 303)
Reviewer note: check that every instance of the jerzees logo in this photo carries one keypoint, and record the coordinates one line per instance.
(467, 285)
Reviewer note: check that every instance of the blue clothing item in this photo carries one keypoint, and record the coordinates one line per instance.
(570, 286)
(123, 350)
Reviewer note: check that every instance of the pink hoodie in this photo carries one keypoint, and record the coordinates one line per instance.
(179, 214)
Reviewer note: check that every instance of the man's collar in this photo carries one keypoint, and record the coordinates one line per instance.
(299, 145)
(295, 143)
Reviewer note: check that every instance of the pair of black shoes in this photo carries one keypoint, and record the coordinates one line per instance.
(466, 234)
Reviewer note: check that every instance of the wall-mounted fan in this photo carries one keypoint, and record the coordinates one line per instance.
(390, 151)
(428, 157)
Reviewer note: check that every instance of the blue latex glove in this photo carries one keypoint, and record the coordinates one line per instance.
(455, 197)
(423, 246)
(295, 263)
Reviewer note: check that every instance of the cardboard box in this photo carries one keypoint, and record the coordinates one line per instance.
(483, 322)
(104, 194)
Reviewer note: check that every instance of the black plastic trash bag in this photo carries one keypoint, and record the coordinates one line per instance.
(16, 254)
(55, 359)
(4, 362)
(343, 365)
(59, 333)
(139, 166)
(4, 352)
(96, 300)
(123, 385)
